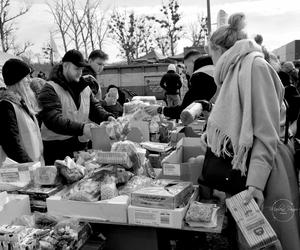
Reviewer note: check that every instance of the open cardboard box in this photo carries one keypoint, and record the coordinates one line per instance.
(159, 217)
(13, 206)
(113, 210)
(176, 165)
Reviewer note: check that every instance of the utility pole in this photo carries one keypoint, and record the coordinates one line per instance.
(208, 17)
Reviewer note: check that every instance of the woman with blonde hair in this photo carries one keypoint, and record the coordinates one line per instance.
(247, 126)
(20, 136)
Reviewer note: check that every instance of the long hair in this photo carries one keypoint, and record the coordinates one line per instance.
(22, 88)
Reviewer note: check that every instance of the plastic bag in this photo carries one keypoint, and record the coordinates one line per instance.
(130, 148)
(84, 190)
(69, 170)
(108, 188)
(135, 183)
(45, 221)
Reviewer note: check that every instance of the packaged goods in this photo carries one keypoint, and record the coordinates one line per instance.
(119, 158)
(202, 215)
(46, 175)
(156, 146)
(131, 149)
(45, 221)
(108, 188)
(135, 183)
(169, 195)
(149, 99)
(189, 114)
(16, 176)
(85, 190)
(159, 217)
(69, 170)
(255, 228)
(20, 237)
(38, 195)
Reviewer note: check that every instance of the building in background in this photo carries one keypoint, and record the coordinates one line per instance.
(289, 51)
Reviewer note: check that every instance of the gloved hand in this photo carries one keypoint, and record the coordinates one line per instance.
(206, 105)
(92, 82)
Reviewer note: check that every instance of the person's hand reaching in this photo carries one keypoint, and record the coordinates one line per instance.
(152, 109)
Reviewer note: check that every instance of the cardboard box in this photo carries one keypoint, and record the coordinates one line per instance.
(19, 172)
(181, 132)
(100, 139)
(255, 228)
(38, 196)
(113, 210)
(171, 218)
(169, 196)
(13, 206)
(176, 165)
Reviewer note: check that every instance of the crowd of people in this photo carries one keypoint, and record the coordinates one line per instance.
(254, 118)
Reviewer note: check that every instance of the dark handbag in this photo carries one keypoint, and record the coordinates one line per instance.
(218, 174)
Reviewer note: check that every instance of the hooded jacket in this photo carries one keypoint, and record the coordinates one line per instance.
(51, 113)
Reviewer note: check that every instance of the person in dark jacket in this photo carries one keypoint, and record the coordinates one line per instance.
(291, 95)
(111, 104)
(171, 83)
(202, 87)
(68, 106)
(96, 61)
(20, 136)
(122, 96)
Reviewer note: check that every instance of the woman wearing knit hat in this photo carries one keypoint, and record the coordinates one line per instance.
(19, 131)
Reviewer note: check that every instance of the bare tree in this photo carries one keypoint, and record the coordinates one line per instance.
(58, 11)
(101, 28)
(20, 50)
(163, 44)
(198, 31)
(170, 23)
(127, 31)
(8, 25)
(80, 23)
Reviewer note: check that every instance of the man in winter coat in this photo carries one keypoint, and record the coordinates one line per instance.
(68, 107)
(171, 83)
(95, 66)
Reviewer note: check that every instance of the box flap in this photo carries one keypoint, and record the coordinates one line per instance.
(189, 142)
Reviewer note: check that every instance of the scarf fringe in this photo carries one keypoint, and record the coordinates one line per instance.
(220, 143)
(240, 159)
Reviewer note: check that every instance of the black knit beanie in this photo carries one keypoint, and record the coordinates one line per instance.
(14, 70)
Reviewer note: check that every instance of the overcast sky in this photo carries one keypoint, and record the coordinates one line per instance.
(277, 20)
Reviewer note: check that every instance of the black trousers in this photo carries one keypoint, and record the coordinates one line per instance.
(58, 150)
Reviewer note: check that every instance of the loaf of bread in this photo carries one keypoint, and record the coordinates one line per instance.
(199, 212)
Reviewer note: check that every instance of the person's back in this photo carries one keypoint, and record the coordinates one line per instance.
(171, 83)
